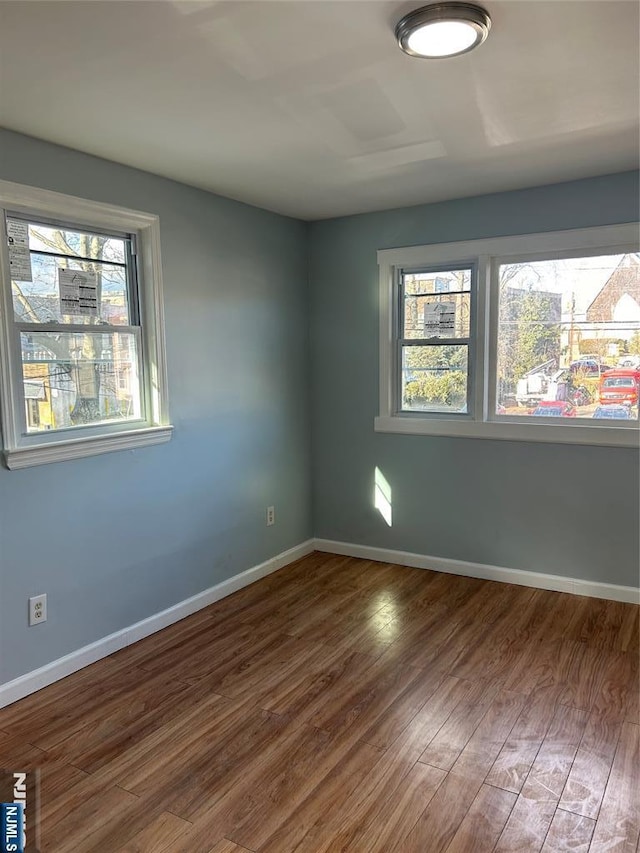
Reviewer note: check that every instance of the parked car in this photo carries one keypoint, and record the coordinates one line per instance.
(614, 411)
(620, 386)
(554, 409)
(629, 361)
(589, 367)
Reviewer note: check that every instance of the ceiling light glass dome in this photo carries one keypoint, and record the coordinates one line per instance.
(443, 29)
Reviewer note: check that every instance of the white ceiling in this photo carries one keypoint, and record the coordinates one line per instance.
(310, 109)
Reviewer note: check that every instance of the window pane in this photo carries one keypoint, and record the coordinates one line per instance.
(567, 328)
(442, 316)
(434, 378)
(46, 298)
(442, 281)
(79, 379)
(82, 244)
(437, 304)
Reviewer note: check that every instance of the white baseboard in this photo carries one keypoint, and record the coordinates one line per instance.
(54, 671)
(57, 669)
(558, 583)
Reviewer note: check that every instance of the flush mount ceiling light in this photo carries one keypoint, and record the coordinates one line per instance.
(443, 29)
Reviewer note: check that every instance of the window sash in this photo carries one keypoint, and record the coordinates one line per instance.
(90, 428)
(462, 342)
(469, 341)
(129, 264)
(133, 328)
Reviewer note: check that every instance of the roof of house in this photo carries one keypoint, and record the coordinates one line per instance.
(625, 279)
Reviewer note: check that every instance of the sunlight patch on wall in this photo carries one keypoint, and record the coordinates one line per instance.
(382, 497)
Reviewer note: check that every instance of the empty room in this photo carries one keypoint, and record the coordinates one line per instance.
(319, 394)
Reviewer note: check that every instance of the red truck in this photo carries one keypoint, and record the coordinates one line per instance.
(620, 386)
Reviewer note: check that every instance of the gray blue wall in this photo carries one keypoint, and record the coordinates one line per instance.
(115, 538)
(561, 509)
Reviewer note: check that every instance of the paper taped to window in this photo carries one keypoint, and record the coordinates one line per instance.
(439, 319)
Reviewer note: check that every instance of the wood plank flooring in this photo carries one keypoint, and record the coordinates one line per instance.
(347, 705)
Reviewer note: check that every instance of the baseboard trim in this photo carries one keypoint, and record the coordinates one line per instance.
(29, 683)
(558, 583)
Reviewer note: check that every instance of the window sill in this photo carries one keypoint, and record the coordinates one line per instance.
(42, 454)
(503, 431)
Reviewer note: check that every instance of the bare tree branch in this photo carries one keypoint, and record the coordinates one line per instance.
(57, 242)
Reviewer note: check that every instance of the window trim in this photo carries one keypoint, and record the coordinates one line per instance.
(22, 451)
(622, 238)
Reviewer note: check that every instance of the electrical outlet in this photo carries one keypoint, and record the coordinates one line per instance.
(37, 609)
(271, 516)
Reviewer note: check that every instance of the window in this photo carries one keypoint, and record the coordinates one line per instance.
(534, 337)
(434, 340)
(82, 338)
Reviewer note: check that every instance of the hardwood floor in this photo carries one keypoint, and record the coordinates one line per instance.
(342, 704)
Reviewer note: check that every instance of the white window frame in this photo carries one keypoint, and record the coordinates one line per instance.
(487, 254)
(22, 451)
